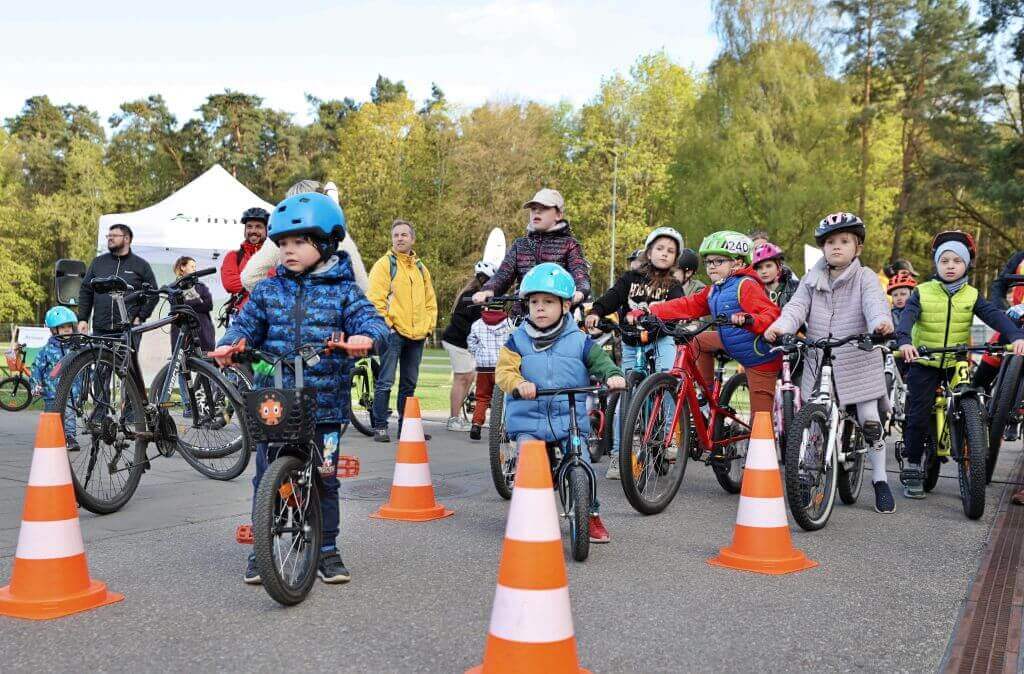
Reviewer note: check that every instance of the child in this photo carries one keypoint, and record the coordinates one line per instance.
(939, 314)
(778, 279)
(837, 298)
(686, 270)
(548, 239)
(486, 337)
(901, 284)
(737, 293)
(61, 321)
(550, 351)
(312, 296)
(650, 283)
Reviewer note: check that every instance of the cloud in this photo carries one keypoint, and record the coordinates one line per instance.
(514, 20)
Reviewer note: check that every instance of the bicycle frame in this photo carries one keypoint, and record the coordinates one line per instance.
(784, 384)
(572, 457)
(947, 406)
(824, 394)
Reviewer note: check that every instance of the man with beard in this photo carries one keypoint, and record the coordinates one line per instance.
(118, 261)
(254, 220)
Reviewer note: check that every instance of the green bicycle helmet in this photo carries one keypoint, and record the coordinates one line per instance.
(550, 278)
(728, 243)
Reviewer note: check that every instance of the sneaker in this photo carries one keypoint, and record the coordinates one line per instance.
(913, 481)
(252, 576)
(884, 502)
(474, 432)
(331, 569)
(458, 424)
(613, 468)
(598, 534)
(1018, 498)
(1010, 434)
(73, 445)
(381, 435)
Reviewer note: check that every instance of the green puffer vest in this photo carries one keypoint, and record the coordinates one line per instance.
(944, 320)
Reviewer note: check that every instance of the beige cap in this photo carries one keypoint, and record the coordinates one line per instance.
(547, 197)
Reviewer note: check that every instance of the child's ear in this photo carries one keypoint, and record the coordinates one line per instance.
(860, 248)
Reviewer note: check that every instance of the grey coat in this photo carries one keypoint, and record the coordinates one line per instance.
(854, 303)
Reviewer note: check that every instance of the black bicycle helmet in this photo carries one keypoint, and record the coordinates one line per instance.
(255, 213)
(635, 255)
(688, 260)
(839, 222)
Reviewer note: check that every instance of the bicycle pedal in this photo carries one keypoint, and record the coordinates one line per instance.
(348, 466)
(243, 534)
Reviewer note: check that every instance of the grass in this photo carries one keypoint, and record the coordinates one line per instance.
(435, 382)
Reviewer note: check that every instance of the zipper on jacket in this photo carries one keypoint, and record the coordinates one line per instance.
(298, 312)
(945, 337)
(117, 272)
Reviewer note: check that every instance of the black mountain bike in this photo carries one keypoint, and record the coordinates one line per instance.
(101, 383)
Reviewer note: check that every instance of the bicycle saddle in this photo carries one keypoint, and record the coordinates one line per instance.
(109, 284)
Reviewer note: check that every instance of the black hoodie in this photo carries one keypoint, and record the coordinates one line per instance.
(132, 269)
(631, 291)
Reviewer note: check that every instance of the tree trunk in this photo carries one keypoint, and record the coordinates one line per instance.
(865, 125)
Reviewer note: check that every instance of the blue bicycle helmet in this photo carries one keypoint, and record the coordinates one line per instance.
(548, 278)
(58, 316)
(309, 214)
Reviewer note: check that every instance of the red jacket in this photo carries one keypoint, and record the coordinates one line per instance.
(231, 270)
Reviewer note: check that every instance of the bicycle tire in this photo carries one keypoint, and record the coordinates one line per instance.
(851, 480)
(638, 468)
(82, 368)
(973, 455)
(361, 400)
(11, 391)
(271, 502)
(730, 478)
(788, 410)
(605, 441)
(502, 453)
(1005, 400)
(796, 490)
(932, 469)
(579, 513)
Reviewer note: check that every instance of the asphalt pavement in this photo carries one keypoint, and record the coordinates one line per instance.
(885, 597)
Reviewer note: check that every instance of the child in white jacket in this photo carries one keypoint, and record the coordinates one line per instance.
(486, 337)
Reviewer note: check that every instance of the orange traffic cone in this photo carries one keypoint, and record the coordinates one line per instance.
(412, 491)
(761, 540)
(50, 578)
(531, 621)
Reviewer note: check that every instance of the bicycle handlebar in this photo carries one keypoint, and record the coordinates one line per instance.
(499, 299)
(541, 392)
(184, 283)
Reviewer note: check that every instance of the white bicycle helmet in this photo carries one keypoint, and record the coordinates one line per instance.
(665, 231)
(484, 267)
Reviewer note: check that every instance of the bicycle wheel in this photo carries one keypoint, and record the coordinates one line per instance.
(602, 428)
(851, 475)
(969, 445)
(15, 393)
(287, 528)
(932, 467)
(788, 410)
(468, 405)
(1006, 399)
(503, 453)
(810, 484)
(578, 512)
(728, 470)
(653, 455)
(104, 412)
(362, 396)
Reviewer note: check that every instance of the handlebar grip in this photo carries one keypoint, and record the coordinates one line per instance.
(206, 272)
(515, 394)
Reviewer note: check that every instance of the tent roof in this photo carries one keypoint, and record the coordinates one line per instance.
(202, 215)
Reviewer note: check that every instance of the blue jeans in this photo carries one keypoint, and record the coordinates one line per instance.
(666, 356)
(400, 351)
(326, 434)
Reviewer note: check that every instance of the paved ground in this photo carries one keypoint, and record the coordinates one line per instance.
(885, 597)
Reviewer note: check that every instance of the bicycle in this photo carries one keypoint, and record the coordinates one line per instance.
(115, 419)
(16, 388)
(958, 430)
(287, 523)
(825, 446)
(896, 390)
(1006, 404)
(574, 477)
(364, 377)
(666, 425)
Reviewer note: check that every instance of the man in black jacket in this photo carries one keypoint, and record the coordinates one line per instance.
(119, 261)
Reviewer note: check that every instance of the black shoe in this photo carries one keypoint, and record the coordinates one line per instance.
(331, 569)
(1010, 434)
(252, 576)
(381, 435)
(884, 502)
(474, 432)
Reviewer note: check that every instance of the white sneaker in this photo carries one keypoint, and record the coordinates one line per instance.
(671, 452)
(613, 468)
(458, 424)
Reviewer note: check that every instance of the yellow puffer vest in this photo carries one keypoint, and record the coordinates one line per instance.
(945, 320)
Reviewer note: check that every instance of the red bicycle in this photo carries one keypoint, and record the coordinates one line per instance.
(677, 415)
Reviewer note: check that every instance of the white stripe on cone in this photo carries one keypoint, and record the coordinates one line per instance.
(762, 512)
(532, 517)
(531, 616)
(412, 475)
(412, 430)
(761, 455)
(50, 467)
(49, 540)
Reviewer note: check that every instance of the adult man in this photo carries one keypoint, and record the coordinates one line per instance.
(254, 220)
(118, 261)
(401, 289)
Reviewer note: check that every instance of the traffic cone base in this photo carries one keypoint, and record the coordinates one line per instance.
(558, 656)
(50, 576)
(761, 540)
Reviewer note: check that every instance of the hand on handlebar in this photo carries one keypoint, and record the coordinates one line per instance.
(635, 315)
(616, 383)
(225, 355)
(527, 390)
(741, 319)
(591, 321)
(884, 328)
(357, 346)
(1018, 347)
(909, 353)
(482, 296)
(772, 334)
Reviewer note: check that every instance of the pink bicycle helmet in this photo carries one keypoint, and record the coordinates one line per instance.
(768, 251)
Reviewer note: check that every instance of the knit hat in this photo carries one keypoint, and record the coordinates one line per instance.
(954, 247)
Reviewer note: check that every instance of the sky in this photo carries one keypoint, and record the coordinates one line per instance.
(100, 54)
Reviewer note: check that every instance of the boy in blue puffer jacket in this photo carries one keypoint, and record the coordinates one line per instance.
(550, 351)
(312, 297)
(62, 322)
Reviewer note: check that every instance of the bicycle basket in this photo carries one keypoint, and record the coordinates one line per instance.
(281, 415)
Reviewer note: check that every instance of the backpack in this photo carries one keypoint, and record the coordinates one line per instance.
(393, 261)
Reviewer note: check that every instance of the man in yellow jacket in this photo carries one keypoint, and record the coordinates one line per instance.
(401, 290)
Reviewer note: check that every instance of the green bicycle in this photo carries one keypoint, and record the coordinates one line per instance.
(364, 377)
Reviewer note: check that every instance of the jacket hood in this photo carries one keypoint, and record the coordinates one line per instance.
(338, 268)
(748, 271)
(493, 316)
(561, 227)
(401, 257)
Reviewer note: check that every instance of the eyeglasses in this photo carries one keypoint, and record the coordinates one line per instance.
(715, 262)
(115, 236)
